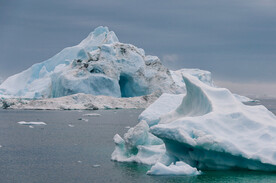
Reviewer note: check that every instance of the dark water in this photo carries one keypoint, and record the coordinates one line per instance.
(59, 153)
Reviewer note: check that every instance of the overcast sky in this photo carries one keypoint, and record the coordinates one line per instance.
(234, 39)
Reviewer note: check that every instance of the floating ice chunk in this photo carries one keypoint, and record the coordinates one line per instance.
(96, 166)
(83, 119)
(179, 168)
(209, 128)
(138, 146)
(70, 125)
(212, 129)
(79, 161)
(92, 115)
(31, 123)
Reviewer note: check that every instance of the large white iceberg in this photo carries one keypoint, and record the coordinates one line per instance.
(98, 65)
(208, 128)
(98, 69)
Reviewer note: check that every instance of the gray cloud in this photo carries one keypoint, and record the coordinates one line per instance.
(236, 40)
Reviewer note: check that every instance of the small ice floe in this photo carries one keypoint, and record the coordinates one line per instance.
(79, 161)
(179, 168)
(92, 115)
(71, 125)
(127, 127)
(0, 146)
(83, 119)
(96, 166)
(31, 123)
(31, 126)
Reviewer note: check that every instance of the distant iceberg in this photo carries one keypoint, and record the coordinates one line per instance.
(209, 129)
(31, 123)
(99, 68)
(98, 65)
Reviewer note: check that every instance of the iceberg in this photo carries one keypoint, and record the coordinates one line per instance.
(138, 145)
(98, 65)
(92, 115)
(179, 168)
(31, 123)
(99, 68)
(209, 128)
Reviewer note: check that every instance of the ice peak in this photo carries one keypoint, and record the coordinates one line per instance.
(100, 35)
(100, 30)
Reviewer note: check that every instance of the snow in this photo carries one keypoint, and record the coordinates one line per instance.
(179, 168)
(164, 104)
(209, 128)
(31, 123)
(243, 98)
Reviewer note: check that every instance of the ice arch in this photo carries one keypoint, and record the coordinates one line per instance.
(130, 88)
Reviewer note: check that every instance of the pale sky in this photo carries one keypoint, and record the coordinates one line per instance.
(234, 39)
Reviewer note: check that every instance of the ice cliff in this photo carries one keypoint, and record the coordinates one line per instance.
(208, 128)
(98, 65)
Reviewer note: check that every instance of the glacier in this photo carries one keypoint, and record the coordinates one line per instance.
(208, 128)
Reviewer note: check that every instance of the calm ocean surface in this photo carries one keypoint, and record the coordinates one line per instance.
(69, 150)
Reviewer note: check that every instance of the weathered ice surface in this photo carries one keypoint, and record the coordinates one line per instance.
(98, 65)
(208, 128)
(80, 102)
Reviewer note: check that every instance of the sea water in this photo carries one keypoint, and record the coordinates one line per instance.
(71, 148)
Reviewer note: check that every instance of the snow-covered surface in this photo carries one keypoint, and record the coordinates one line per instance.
(31, 123)
(243, 98)
(210, 128)
(204, 76)
(99, 65)
(179, 168)
(164, 104)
